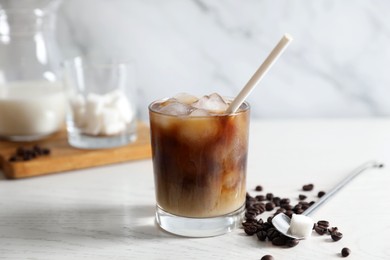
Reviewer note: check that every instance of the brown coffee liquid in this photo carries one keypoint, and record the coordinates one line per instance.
(200, 163)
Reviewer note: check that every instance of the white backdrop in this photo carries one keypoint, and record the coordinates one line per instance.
(337, 66)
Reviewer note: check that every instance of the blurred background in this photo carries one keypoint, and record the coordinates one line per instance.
(337, 66)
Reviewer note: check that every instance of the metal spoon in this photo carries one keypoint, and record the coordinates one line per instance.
(282, 221)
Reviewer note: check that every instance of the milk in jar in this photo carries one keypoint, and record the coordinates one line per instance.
(31, 108)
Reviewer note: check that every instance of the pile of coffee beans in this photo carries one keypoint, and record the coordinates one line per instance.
(26, 154)
(264, 229)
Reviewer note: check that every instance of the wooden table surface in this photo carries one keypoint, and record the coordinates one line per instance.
(108, 212)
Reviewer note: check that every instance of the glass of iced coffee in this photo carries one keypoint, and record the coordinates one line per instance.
(199, 158)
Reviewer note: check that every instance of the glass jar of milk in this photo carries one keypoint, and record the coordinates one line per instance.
(32, 99)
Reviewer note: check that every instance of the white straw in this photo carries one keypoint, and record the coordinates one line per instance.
(260, 73)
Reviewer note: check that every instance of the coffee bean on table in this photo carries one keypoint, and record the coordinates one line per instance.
(279, 241)
(287, 206)
(259, 206)
(250, 230)
(323, 223)
(266, 226)
(308, 187)
(336, 236)
(267, 257)
(284, 201)
(345, 252)
(272, 233)
(262, 235)
(258, 188)
(320, 194)
(276, 200)
(333, 229)
(260, 197)
(320, 230)
(269, 206)
(302, 197)
(292, 242)
(269, 196)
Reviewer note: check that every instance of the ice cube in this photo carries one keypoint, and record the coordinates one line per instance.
(213, 103)
(185, 98)
(175, 109)
(199, 112)
(301, 226)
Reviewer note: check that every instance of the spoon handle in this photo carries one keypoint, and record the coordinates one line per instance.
(350, 177)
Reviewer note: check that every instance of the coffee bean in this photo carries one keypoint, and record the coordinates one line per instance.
(298, 206)
(336, 236)
(250, 230)
(272, 233)
(45, 151)
(345, 252)
(259, 206)
(323, 223)
(269, 196)
(253, 209)
(258, 188)
(281, 210)
(302, 197)
(249, 202)
(246, 223)
(284, 201)
(269, 219)
(276, 200)
(267, 257)
(20, 151)
(269, 206)
(305, 206)
(292, 242)
(320, 230)
(311, 202)
(308, 187)
(289, 213)
(299, 211)
(249, 215)
(262, 235)
(260, 197)
(333, 229)
(26, 154)
(320, 194)
(287, 206)
(279, 241)
(266, 226)
(13, 158)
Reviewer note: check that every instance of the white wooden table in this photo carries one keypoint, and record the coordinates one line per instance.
(108, 212)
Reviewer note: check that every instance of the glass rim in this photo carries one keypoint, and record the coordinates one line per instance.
(240, 111)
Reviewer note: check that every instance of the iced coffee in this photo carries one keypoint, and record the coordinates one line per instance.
(199, 158)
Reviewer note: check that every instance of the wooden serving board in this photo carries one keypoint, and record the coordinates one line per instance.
(63, 157)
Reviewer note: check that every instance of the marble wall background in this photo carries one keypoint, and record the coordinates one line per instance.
(337, 66)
